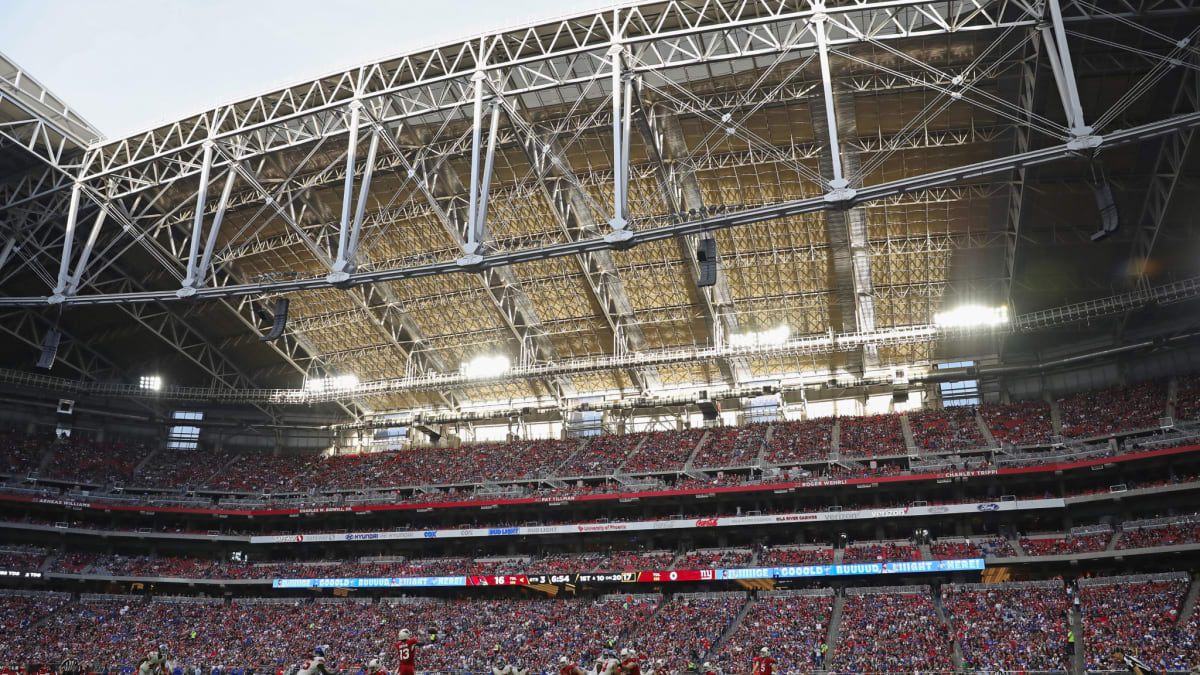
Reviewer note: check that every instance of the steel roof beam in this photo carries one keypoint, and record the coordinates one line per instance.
(1164, 178)
(558, 184)
(845, 227)
(1026, 100)
(439, 183)
(680, 188)
(420, 87)
(654, 231)
(378, 300)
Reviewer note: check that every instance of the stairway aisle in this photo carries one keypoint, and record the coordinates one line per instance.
(835, 624)
(732, 627)
(957, 655)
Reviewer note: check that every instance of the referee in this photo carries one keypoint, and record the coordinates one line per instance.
(70, 666)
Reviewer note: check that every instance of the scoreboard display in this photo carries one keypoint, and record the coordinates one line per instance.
(659, 576)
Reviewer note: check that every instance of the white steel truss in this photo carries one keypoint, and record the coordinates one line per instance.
(296, 175)
(870, 193)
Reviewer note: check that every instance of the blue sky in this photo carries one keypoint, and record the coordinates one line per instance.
(127, 65)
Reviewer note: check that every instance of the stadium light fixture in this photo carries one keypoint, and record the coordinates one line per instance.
(486, 366)
(775, 336)
(972, 316)
(335, 383)
(150, 382)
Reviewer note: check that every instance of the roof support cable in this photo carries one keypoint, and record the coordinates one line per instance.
(960, 80)
(698, 108)
(1151, 78)
(1131, 23)
(228, 253)
(994, 110)
(556, 157)
(941, 102)
(754, 139)
(412, 173)
(785, 50)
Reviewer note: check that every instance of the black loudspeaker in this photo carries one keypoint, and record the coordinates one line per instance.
(709, 409)
(900, 396)
(281, 309)
(49, 349)
(1110, 219)
(706, 255)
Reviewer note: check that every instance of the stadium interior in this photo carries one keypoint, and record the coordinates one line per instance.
(865, 332)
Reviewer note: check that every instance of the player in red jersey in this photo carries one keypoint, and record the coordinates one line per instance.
(630, 665)
(568, 667)
(763, 664)
(374, 667)
(406, 653)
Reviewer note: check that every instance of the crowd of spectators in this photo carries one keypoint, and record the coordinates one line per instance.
(1137, 616)
(873, 436)
(684, 630)
(95, 462)
(261, 472)
(22, 453)
(893, 632)
(801, 555)
(880, 552)
(1114, 410)
(1010, 629)
(1024, 423)
(953, 549)
(732, 446)
(789, 626)
(17, 558)
(471, 634)
(1187, 399)
(182, 468)
(714, 559)
(1161, 535)
(18, 613)
(952, 428)
(1070, 544)
(663, 451)
(1020, 423)
(602, 455)
(634, 561)
(996, 547)
(800, 441)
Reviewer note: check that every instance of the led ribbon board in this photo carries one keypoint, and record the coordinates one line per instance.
(792, 572)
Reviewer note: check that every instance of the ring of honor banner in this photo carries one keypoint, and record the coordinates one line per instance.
(794, 572)
(684, 523)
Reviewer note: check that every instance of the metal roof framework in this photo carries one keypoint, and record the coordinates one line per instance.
(539, 192)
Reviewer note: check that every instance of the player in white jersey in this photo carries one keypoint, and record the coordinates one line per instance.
(608, 664)
(155, 662)
(315, 665)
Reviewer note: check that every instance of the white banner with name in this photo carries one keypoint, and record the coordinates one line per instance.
(633, 526)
